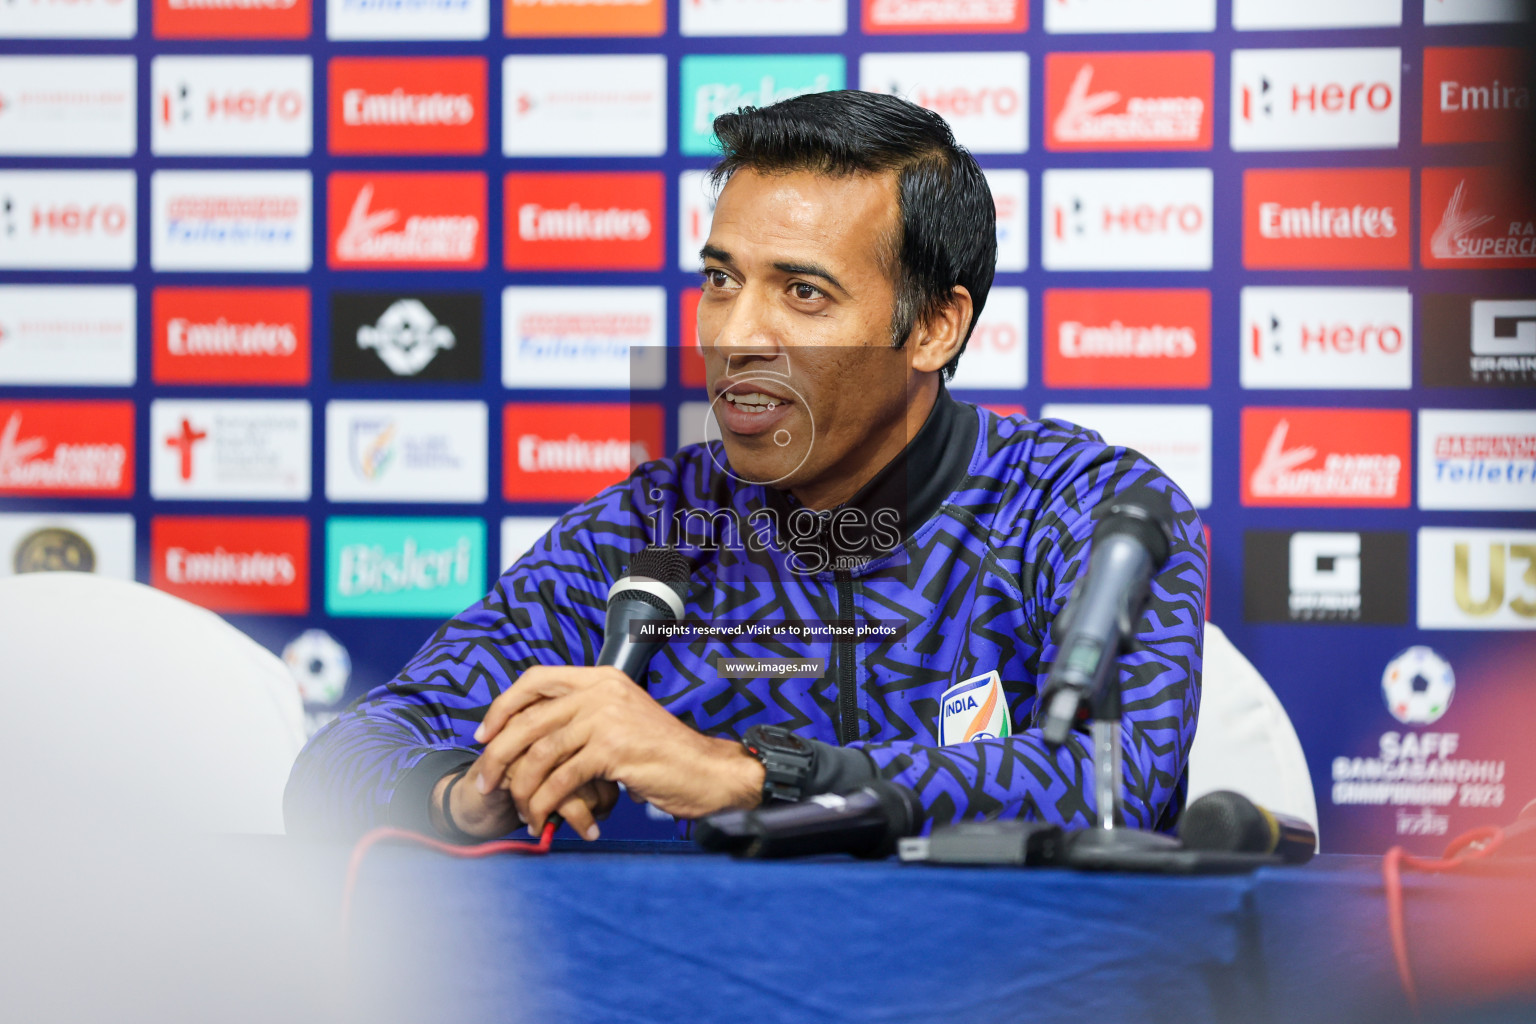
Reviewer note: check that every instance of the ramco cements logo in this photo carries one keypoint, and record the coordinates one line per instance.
(1128, 101)
(1476, 217)
(422, 221)
(712, 86)
(1325, 457)
(66, 449)
(427, 568)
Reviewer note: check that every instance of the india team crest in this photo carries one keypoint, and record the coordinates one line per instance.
(976, 709)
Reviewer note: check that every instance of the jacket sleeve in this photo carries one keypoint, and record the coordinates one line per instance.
(1019, 776)
(376, 764)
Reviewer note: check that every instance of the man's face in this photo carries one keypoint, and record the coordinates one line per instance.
(795, 328)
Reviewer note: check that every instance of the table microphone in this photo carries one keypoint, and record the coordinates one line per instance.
(651, 591)
(1130, 544)
(866, 823)
(1229, 822)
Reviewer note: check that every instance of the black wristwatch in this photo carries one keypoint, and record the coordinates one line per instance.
(787, 761)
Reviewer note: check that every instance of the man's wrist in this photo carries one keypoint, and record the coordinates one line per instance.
(743, 775)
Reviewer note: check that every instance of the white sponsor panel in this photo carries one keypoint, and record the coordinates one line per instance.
(1470, 12)
(1477, 459)
(1327, 338)
(247, 450)
(584, 106)
(1476, 579)
(1177, 438)
(519, 534)
(609, 338)
(983, 96)
(1010, 194)
(67, 334)
(407, 19)
(69, 19)
(1130, 15)
(695, 423)
(57, 541)
(67, 220)
(251, 106)
(996, 356)
(1278, 14)
(1126, 219)
(405, 451)
(762, 17)
(68, 106)
(231, 220)
(695, 211)
(1316, 99)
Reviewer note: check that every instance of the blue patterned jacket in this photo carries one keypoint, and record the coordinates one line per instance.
(994, 516)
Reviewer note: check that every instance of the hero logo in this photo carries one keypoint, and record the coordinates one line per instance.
(1325, 457)
(231, 336)
(1127, 220)
(1325, 219)
(442, 230)
(233, 565)
(1128, 101)
(1326, 338)
(995, 356)
(1477, 459)
(67, 220)
(238, 105)
(570, 452)
(407, 105)
(1136, 338)
(982, 95)
(1475, 93)
(232, 19)
(1483, 217)
(67, 448)
(570, 221)
(1316, 99)
(407, 337)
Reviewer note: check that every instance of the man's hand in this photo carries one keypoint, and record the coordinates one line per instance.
(558, 729)
(489, 815)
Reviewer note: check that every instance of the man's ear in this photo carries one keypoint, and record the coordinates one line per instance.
(936, 339)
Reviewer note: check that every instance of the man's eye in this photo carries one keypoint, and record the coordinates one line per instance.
(806, 292)
(716, 278)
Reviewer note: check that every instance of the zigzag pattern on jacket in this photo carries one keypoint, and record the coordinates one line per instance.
(978, 586)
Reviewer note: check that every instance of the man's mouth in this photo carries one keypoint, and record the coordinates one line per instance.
(754, 402)
(748, 407)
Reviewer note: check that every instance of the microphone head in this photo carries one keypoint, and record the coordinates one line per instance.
(1145, 515)
(657, 576)
(1228, 822)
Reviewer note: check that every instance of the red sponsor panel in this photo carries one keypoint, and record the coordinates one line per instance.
(1475, 93)
(569, 452)
(692, 373)
(222, 19)
(66, 449)
(231, 336)
(1325, 458)
(887, 17)
(1326, 219)
(407, 221)
(1128, 101)
(392, 105)
(589, 221)
(233, 564)
(1476, 217)
(1127, 338)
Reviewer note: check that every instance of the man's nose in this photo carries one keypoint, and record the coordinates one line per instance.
(748, 334)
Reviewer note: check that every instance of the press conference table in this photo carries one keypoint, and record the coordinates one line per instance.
(669, 936)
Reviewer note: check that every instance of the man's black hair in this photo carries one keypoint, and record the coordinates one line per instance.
(948, 226)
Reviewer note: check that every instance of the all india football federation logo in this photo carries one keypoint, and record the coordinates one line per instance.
(975, 709)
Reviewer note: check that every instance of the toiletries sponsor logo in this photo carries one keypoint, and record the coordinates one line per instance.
(1127, 338)
(1355, 219)
(418, 221)
(230, 220)
(67, 334)
(237, 565)
(1295, 576)
(1176, 437)
(1476, 217)
(1477, 459)
(584, 221)
(66, 449)
(583, 338)
(67, 106)
(1478, 341)
(231, 335)
(397, 105)
(252, 450)
(1477, 579)
(1128, 101)
(1326, 457)
(584, 106)
(427, 568)
(67, 220)
(556, 452)
(1127, 220)
(1316, 99)
(983, 96)
(1327, 338)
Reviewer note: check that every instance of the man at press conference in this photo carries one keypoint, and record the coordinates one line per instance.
(851, 253)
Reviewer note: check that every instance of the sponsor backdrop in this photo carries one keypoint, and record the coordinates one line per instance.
(318, 313)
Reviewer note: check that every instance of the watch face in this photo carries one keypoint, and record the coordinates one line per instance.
(776, 738)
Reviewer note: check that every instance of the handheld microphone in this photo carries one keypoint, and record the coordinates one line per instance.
(651, 591)
(866, 823)
(1129, 545)
(1229, 822)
